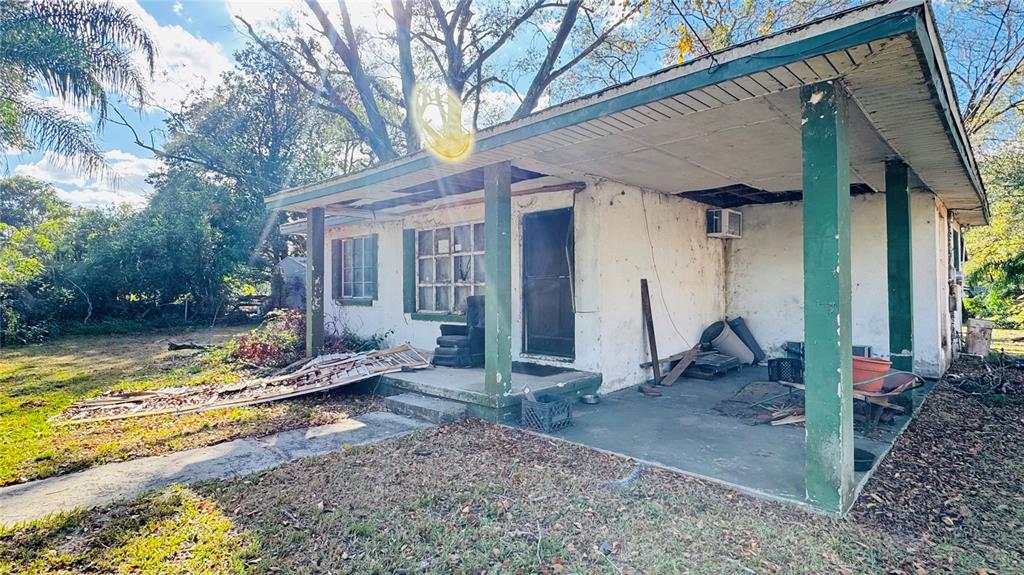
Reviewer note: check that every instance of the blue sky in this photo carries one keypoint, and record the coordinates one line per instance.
(195, 40)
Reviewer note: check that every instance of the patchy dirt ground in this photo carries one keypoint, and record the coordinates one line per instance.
(467, 498)
(952, 485)
(476, 498)
(39, 381)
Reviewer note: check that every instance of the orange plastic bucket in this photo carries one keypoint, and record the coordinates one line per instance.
(865, 368)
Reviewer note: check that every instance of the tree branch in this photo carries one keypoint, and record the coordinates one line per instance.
(381, 143)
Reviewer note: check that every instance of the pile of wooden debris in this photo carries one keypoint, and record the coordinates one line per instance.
(308, 376)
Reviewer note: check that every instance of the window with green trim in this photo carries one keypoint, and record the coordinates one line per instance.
(449, 267)
(355, 269)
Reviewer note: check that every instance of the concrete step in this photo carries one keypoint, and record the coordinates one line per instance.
(427, 408)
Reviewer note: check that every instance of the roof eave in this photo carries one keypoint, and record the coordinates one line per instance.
(893, 18)
(877, 21)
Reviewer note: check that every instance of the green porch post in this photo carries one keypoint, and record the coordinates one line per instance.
(498, 286)
(956, 247)
(828, 448)
(900, 262)
(314, 281)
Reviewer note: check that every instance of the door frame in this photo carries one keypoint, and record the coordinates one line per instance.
(522, 282)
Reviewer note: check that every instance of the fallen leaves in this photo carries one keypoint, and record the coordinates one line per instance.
(954, 478)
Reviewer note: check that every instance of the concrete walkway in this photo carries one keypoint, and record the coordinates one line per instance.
(108, 483)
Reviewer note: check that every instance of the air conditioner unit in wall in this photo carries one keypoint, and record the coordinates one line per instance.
(725, 223)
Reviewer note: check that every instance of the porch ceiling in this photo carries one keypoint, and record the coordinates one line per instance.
(732, 118)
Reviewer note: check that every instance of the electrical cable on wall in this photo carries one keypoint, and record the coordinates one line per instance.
(657, 275)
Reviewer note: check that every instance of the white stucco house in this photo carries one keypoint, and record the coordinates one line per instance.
(838, 141)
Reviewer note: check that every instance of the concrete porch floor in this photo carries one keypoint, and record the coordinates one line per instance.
(681, 431)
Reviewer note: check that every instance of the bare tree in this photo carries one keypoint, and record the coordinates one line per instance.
(985, 41)
(458, 43)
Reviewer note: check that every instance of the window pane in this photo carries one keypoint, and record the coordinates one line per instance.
(425, 243)
(358, 291)
(346, 290)
(357, 253)
(443, 301)
(478, 237)
(463, 269)
(462, 240)
(442, 241)
(478, 269)
(426, 302)
(426, 274)
(348, 253)
(478, 289)
(347, 275)
(461, 293)
(369, 282)
(444, 270)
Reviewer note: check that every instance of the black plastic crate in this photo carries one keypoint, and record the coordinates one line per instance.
(547, 414)
(786, 369)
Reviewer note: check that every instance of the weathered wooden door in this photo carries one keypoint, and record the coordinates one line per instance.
(549, 324)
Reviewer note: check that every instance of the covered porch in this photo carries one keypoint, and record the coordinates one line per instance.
(705, 428)
(858, 103)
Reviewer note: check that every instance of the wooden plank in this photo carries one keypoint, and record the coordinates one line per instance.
(683, 363)
(669, 359)
(321, 373)
(645, 303)
(879, 398)
(790, 420)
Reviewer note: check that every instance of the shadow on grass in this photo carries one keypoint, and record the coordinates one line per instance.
(170, 531)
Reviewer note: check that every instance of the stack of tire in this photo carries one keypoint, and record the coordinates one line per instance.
(453, 346)
(463, 345)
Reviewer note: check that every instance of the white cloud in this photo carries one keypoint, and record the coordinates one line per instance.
(369, 14)
(262, 15)
(184, 62)
(272, 18)
(177, 8)
(127, 184)
(82, 116)
(497, 105)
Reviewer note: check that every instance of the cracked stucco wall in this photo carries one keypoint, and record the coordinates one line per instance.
(766, 277)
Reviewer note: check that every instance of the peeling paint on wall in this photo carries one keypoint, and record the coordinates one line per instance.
(624, 234)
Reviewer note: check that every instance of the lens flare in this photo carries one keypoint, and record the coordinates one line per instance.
(437, 113)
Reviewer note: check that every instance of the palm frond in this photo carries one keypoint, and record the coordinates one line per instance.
(54, 129)
(76, 50)
(62, 65)
(91, 23)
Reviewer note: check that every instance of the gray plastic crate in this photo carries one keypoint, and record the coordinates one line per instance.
(547, 414)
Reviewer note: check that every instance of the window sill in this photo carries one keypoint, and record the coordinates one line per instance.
(362, 302)
(426, 316)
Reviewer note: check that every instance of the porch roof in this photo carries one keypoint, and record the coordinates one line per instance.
(729, 120)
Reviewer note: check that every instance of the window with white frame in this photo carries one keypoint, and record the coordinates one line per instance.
(449, 267)
(355, 268)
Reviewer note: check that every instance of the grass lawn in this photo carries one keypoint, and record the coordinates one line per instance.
(1009, 340)
(477, 498)
(38, 381)
(467, 498)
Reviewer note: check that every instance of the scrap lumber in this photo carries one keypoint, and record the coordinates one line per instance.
(790, 419)
(175, 346)
(669, 359)
(709, 365)
(684, 362)
(645, 304)
(320, 373)
(879, 398)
